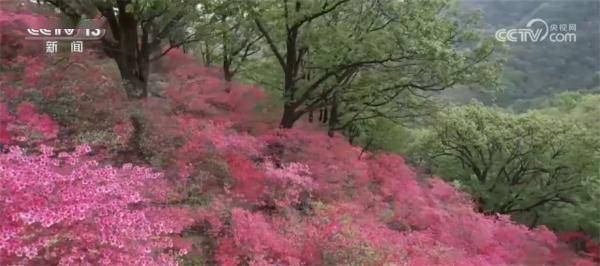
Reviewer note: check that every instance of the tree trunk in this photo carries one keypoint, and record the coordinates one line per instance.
(289, 113)
(227, 73)
(135, 84)
(289, 117)
(206, 57)
(535, 220)
(129, 47)
(135, 142)
(133, 60)
(333, 116)
(227, 60)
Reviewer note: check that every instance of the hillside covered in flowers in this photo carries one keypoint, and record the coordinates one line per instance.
(201, 174)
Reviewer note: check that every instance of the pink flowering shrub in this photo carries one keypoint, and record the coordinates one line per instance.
(12, 33)
(334, 163)
(5, 118)
(248, 180)
(26, 125)
(287, 184)
(429, 224)
(582, 243)
(67, 209)
(290, 203)
(299, 197)
(254, 241)
(195, 90)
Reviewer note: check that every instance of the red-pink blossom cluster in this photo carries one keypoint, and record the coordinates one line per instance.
(582, 243)
(196, 90)
(299, 197)
(308, 199)
(67, 209)
(287, 183)
(26, 125)
(13, 30)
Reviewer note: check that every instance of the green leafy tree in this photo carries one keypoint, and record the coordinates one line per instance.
(229, 35)
(584, 215)
(141, 31)
(367, 53)
(513, 164)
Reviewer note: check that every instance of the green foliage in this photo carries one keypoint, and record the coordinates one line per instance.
(578, 106)
(383, 134)
(228, 35)
(523, 165)
(366, 59)
(584, 215)
(63, 108)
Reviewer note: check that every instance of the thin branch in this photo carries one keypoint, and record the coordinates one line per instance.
(311, 17)
(189, 39)
(271, 43)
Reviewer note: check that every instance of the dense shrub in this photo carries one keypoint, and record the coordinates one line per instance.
(25, 125)
(373, 211)
(299, 197)
(67, 209)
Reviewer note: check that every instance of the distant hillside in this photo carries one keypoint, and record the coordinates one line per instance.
(537, 69)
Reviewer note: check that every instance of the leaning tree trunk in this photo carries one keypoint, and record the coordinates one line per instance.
(227, 73)
(289, 117)
(227, 60)
(135, 80)
(130, 49)
(132, 59)
(333, 116)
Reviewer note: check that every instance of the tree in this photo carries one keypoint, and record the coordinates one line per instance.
(323, 48)
(364, 105)
(583, 216)
(139, 30)
(512, 164)
(230, 36)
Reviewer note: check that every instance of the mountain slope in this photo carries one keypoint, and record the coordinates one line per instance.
(239, 190)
